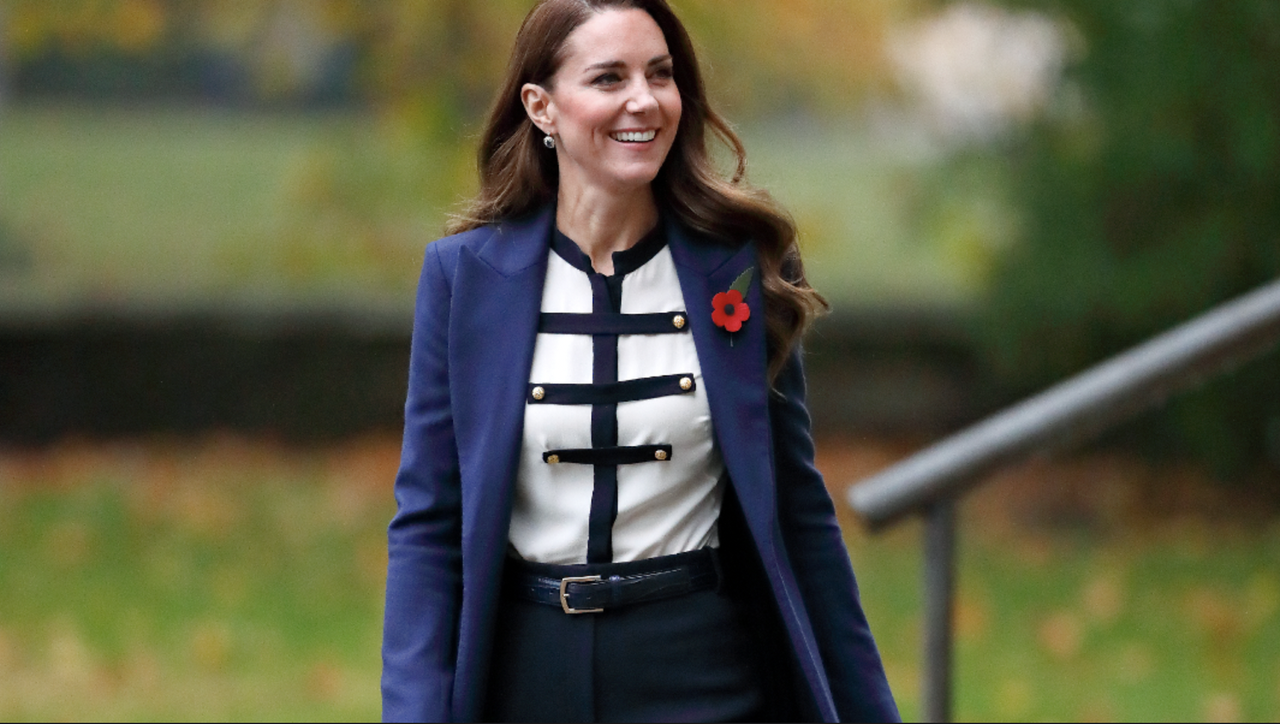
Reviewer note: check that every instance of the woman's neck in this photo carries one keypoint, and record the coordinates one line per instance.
(602, 223)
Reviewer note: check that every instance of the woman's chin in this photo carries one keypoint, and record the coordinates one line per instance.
(632, 179)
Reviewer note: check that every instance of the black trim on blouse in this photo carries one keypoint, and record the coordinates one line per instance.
(609, 457)
(645, 388)
(620, 324)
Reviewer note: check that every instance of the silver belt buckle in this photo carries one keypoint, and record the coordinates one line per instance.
(564, 594)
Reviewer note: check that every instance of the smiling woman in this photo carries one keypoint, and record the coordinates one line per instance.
(613, 109)
(608, 508)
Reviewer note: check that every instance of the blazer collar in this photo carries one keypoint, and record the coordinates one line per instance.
(697, 253)
(518, 244)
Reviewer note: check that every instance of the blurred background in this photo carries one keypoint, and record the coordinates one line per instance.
(212, 214)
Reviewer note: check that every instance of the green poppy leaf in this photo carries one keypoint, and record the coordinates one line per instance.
(743, 282)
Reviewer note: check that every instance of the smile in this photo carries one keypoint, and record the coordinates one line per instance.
(634, 136)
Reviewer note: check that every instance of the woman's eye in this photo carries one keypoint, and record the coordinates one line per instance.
(667, 73)
(607, 79)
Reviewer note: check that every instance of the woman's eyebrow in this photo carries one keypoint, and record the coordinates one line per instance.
(607, 65)
(615, 64)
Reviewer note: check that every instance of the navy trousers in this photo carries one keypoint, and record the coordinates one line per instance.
(689, 658)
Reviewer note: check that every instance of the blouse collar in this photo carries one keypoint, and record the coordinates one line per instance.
(624, 262)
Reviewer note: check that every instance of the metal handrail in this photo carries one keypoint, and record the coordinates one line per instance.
(1069, 413)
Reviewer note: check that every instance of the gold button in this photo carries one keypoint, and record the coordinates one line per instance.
(539, 393)
(661, 455)
(686, 384)
(678, 321)
(553, 459)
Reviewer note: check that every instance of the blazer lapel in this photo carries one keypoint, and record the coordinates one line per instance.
(735, 370)
(496, 300)
(497, 296)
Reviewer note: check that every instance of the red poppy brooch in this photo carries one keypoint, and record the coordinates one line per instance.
(728, 310)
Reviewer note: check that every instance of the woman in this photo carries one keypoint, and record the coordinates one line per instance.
(608, 508)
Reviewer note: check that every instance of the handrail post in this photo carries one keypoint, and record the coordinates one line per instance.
(939, 597)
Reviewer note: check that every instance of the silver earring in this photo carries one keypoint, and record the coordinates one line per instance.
(549, 142)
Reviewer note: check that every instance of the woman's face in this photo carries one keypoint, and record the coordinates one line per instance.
(614, 106)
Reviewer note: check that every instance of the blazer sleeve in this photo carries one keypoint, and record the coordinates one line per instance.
(424, 539)
(821, 562)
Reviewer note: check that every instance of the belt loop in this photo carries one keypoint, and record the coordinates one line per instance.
(715, 562)
(615, 590)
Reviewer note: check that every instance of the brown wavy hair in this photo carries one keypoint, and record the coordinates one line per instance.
(517, 175)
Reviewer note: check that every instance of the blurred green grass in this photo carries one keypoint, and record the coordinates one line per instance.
(223, 579)
(155, 207)
(174, 583)
(1086, 630)
(159, 207)
(115, 203)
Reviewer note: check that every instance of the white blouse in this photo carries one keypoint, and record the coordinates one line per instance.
(668, 466)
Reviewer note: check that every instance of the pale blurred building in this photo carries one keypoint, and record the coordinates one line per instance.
(973, 70)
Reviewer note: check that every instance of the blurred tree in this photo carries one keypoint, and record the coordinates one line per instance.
(801, 56)
(1149, 196)
(4, 56)
(765, 56)
(94, 47)
(8, 244)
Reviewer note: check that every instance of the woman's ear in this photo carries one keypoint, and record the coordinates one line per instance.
(541, 109)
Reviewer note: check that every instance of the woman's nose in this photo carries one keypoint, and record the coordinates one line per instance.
(642, 100)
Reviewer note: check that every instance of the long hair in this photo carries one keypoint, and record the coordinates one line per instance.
(518, 176)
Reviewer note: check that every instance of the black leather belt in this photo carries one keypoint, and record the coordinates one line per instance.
(597, 588)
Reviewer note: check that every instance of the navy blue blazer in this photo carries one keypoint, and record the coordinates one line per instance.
(476, 320)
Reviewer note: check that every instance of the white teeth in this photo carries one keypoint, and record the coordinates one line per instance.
(635, 137)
